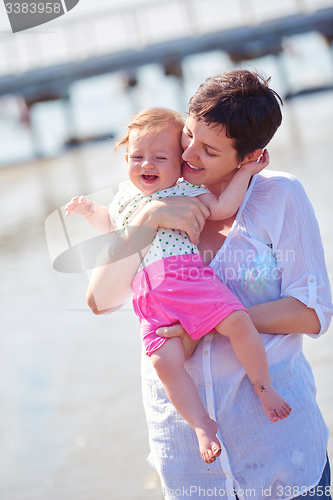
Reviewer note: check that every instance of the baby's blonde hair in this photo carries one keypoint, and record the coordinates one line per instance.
(153, 120)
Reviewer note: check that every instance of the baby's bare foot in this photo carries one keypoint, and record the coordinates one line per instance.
(274, 405)
(210, 446)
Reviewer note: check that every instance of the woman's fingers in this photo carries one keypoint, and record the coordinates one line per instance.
(200, 212)
(171, 331)
(178, 331)
(184, 213)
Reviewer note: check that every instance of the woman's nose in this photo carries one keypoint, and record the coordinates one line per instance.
(189, 152)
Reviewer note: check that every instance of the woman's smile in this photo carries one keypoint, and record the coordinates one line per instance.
(192, 167)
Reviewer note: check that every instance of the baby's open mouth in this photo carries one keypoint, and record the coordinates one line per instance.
(149, 177)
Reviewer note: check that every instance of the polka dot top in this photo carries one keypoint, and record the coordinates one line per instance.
(167, 242)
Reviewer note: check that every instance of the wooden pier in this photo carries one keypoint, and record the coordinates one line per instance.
(241, 43)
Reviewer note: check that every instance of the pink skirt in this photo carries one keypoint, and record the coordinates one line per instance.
(180, 289)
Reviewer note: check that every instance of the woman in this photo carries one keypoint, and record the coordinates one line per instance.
(270, 255)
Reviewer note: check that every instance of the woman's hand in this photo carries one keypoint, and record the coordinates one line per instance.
(186, 214)
(178, 331)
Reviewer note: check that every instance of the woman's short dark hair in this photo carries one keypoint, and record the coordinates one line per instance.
(242, 102)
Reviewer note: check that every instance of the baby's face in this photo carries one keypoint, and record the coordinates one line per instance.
(154, 161)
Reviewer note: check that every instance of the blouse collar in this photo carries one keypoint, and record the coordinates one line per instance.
(236, 221)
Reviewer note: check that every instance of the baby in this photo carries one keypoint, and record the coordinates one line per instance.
(172, 284)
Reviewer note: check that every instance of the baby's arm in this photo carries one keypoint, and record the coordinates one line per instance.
(96, 215)
(224, 206)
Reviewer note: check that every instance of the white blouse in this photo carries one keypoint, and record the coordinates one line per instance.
(273, 250)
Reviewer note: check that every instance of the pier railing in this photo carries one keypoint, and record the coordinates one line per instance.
(136, 26)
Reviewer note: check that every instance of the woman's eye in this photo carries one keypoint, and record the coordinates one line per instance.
(209, 154)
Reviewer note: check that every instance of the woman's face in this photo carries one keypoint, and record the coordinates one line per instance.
(209, 156)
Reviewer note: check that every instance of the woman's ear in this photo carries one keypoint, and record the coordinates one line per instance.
(253, 156)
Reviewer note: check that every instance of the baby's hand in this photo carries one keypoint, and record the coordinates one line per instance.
(254, 167)
(80, 205)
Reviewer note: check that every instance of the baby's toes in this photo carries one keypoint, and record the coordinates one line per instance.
(282, 412)
(209, 458)
(285, 410)
(272, 415)
(216, 451)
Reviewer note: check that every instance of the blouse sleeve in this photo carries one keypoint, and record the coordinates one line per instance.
(299, 252)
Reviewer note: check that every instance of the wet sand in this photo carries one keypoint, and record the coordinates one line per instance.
(72, 424)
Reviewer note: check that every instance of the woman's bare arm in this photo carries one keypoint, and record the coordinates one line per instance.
(111, 281)
(287, 315)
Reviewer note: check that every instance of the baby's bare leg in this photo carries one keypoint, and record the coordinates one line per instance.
(168, 362)
(250, 351)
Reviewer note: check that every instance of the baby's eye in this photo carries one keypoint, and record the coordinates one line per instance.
(136, 157)
(161, 157)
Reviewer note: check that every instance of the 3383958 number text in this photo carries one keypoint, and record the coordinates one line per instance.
(33, 8)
